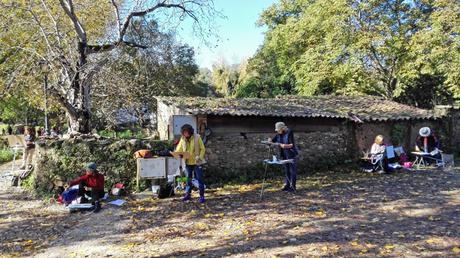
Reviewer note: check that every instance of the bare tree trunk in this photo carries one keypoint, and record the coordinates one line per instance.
(78, 101)
(80, 123)
(80, 98)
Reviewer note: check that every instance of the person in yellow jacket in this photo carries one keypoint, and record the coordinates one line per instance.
(192, 143)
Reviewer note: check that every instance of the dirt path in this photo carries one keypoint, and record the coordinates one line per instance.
(333, 214)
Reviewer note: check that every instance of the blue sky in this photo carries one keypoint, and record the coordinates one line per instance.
(239, 33)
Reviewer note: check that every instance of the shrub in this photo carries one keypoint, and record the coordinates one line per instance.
(5, 155)
(63, 160)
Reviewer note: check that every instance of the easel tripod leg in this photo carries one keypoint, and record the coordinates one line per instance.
(263, 182)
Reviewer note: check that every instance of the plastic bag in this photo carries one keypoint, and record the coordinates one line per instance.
(407, 164)
(70, 194)
(196, 184)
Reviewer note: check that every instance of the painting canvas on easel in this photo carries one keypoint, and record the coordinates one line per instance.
(16, 141)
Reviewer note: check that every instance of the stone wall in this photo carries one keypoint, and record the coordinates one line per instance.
(234, 156)
(59, 161)
(234, 153)
(240, 157)
(455, 114)
(398, 133)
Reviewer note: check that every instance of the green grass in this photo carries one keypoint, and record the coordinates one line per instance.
(5, 155)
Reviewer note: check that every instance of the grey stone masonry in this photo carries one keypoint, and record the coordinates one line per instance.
(229, 156)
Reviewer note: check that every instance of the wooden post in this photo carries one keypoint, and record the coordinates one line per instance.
(137, 176)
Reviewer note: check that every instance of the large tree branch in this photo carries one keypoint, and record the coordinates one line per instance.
(58, 34)
(67, 5)
(377, 59)
(42, 30)
(117, 15)
(162, 4)
(55, 25)
(62, 100)
(92, 49)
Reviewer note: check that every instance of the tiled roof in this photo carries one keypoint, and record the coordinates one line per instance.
(365, 108)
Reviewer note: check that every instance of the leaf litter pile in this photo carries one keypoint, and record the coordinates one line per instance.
(333, 214)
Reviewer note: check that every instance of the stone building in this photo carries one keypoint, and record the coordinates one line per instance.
(328, 129)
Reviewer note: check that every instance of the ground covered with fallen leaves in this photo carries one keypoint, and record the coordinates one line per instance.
(333, 214)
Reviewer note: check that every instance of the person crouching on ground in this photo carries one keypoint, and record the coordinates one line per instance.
(192, 143)
(288, 150)
(90, 184)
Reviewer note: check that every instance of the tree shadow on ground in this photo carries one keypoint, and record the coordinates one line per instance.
(393, 213)
(331, 215)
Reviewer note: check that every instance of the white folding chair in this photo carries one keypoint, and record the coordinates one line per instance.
(377, 161)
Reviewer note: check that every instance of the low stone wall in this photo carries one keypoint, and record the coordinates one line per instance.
(57, 162)
(240, 157)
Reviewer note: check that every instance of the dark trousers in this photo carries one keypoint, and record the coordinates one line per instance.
(95, 194)
(291, 174)
(197, 171)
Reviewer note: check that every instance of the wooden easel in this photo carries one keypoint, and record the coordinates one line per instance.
(16, 143)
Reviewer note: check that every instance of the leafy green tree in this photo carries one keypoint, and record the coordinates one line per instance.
(15, 109)
(164, 68)
(70, 39)
(378, 47)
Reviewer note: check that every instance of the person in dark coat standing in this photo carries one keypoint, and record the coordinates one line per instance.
(288, 150)
(10, 130)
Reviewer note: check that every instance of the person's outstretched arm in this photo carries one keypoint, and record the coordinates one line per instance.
(78, 180)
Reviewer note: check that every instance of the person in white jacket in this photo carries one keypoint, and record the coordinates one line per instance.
(377, 155)
(378, 147)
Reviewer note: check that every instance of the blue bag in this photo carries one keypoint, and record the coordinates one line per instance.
(70, 195)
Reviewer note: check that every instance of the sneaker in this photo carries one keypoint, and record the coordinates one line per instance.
(285, 188)
(202, 199)
(187, 197)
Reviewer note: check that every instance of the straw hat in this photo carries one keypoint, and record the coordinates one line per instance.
(424, 131)
(279, 126)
